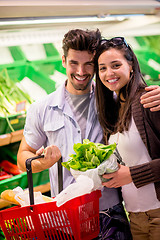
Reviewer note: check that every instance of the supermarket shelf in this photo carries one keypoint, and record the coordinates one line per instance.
(12, 137)
(42, 188)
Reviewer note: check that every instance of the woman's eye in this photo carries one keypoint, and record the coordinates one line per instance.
(102, 68)
(116, 65)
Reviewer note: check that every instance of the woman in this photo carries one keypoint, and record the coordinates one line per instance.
(119, 86)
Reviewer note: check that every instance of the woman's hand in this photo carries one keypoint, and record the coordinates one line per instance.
(151, 99)
(118, 178)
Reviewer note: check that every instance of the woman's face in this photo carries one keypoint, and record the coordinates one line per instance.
(114, 70)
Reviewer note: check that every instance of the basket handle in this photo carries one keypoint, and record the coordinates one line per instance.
(60, 175)
(30, 179)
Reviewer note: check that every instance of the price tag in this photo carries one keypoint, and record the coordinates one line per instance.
(21, 106)
(14, 121)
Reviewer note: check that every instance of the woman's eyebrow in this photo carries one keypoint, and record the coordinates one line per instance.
(114, 61)
(101, 63)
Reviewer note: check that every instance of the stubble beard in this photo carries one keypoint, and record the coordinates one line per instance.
(83, 87)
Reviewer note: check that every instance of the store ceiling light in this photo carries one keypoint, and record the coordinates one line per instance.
(49, 20)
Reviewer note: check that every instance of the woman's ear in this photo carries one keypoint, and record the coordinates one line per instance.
(131, 72)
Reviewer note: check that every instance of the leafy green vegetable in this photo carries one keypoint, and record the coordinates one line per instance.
(88, 155)
(10, 96)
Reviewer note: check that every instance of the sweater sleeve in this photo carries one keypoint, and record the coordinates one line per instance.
(146, 173)
(148, 125)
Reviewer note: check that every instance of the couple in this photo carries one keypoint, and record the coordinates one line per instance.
(69, 115)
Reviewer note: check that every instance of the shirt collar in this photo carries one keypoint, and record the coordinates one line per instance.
(59, 101)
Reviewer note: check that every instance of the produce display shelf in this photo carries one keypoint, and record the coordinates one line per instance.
(33, 52)
(49, 65)
(12, 137)
(17, 122)
(39, 178)
(17, 72)
(17, 54)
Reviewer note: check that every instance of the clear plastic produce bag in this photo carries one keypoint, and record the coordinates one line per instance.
(83, 185)
(108, 166)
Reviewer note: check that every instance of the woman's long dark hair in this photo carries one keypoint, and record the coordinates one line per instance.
(111, 118)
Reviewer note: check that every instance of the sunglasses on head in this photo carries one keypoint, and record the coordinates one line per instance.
(116, 41)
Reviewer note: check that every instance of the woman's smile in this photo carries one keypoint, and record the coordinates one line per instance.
(112, 81)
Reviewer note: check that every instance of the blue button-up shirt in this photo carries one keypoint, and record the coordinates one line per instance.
(51, 122)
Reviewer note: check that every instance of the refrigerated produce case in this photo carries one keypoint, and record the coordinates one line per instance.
(35, 76)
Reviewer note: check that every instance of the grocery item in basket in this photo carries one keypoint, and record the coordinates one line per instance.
(83, 185)
(89, 155)
(92, 160)
(9, 196)
(18, 196)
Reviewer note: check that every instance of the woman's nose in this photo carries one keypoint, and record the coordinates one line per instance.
(110, 72)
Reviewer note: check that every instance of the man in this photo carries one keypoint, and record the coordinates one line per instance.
(67, 116)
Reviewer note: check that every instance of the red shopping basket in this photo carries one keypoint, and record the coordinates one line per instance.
(76, 219)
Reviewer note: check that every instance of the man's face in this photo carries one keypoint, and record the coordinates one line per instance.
(80, 70)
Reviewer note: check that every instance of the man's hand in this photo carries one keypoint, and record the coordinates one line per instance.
(118, 178)
(151, 99)
(51, 155)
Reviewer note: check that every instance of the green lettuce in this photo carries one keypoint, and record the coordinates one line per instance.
(88, 155)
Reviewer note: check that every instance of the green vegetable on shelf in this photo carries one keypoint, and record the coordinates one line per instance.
(88, 155)
(12, 99)
(10, 95)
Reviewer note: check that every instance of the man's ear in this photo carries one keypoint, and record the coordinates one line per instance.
(63, 61)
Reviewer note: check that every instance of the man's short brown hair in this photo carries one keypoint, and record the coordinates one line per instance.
(81, 40)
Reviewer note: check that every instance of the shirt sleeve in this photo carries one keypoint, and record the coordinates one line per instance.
(33, 129)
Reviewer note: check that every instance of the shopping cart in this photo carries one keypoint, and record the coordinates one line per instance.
(76, 219)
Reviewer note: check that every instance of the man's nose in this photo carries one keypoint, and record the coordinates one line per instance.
(81, 70)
